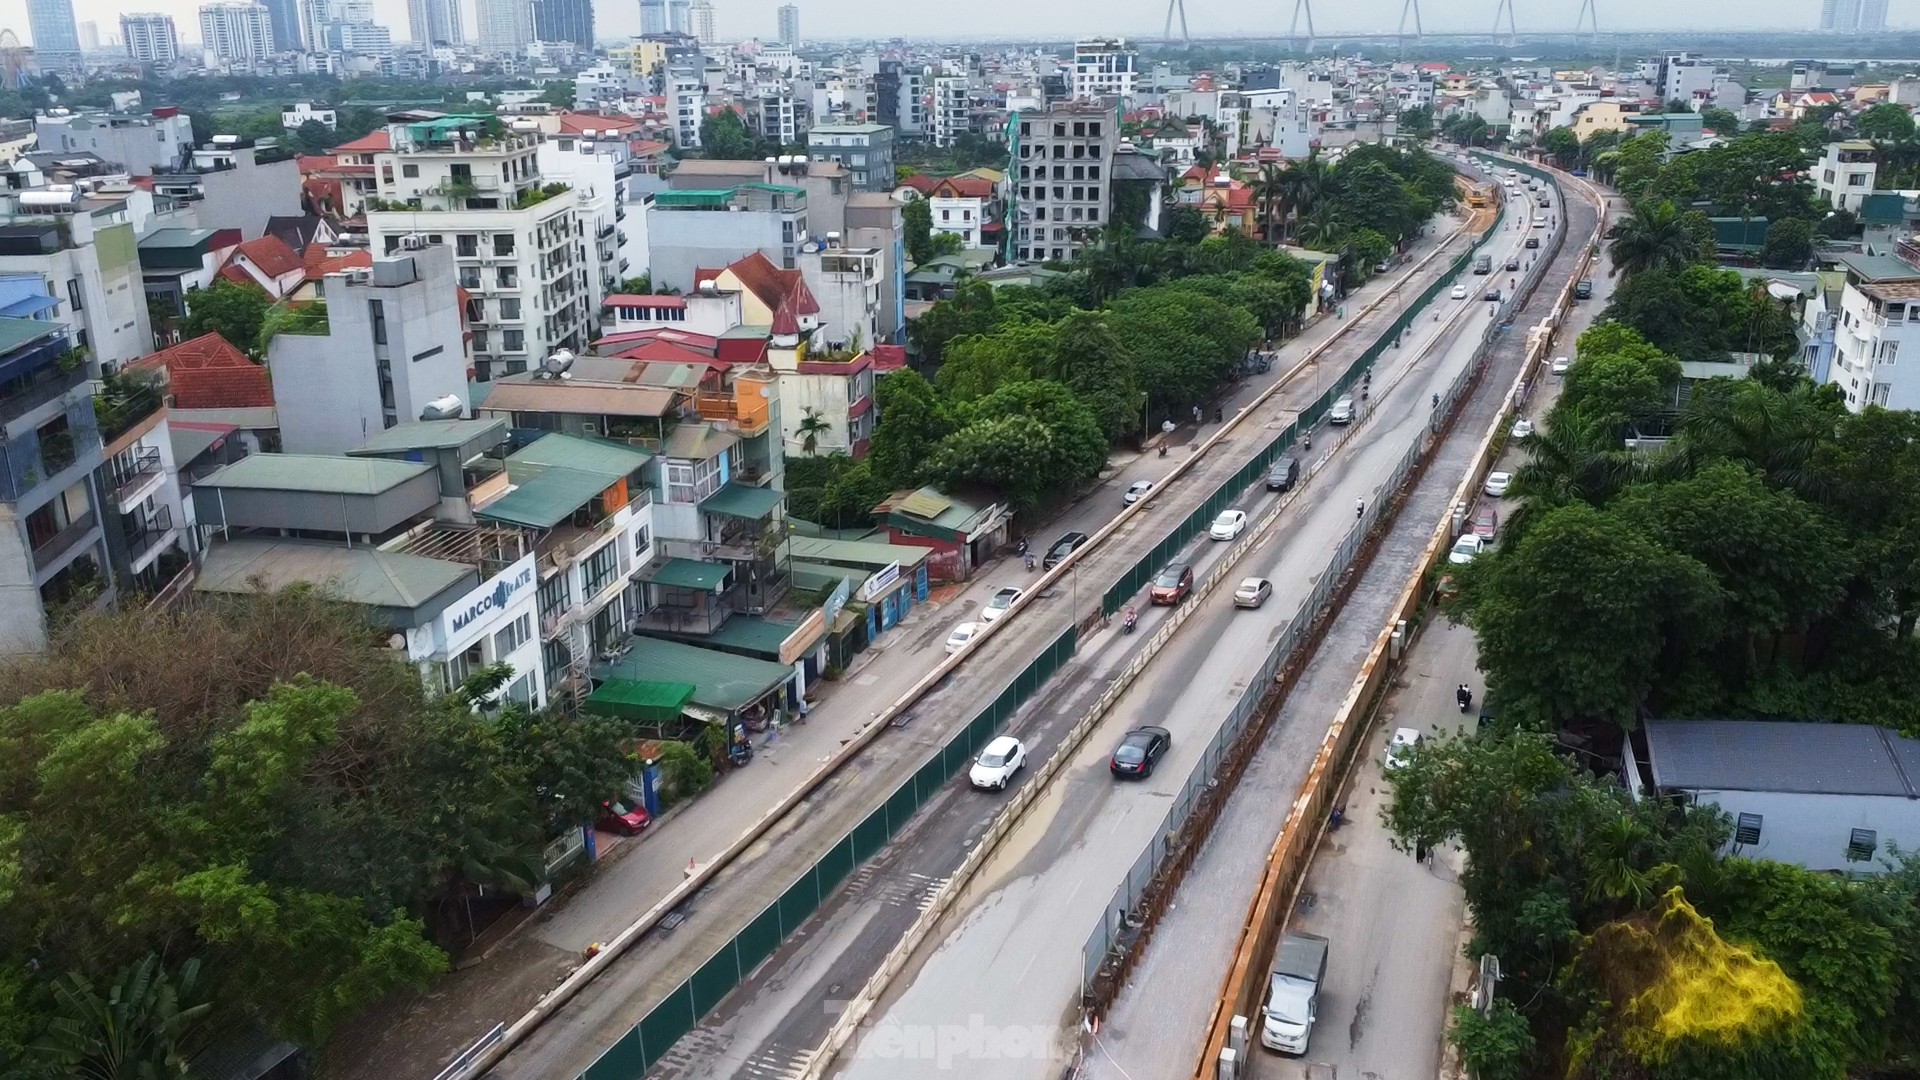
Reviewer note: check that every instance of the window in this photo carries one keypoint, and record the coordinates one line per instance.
(476, 310)
(480, 343)
(1747, 832)
(509, 308)
(466, 245)
(411, 172)
(599, 569)
(470, 277)
(377, 311)
(508, 277)
(513, 341)
(73, 294)
(512, 636)
(503, 244)
(555, 596)
(1860, 845)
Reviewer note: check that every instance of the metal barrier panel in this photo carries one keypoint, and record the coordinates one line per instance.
(870, 835)
(714, 981)
(800, 900)
(623, 1059)
(763, 935)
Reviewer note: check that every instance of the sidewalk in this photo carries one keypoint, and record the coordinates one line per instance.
(418, 1034)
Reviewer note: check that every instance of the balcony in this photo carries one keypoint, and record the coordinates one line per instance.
(145, 538)
(45, 385)
(135, 478)
(121, 405)
(59, 544)
(744, 413)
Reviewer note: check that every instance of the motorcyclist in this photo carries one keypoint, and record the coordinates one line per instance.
(1129, 620)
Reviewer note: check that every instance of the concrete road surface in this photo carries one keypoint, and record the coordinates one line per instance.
(1001, 981)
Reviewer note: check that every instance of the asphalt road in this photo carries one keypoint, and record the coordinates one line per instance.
(566, 1044)
(1000, 979)
(1158, 1024)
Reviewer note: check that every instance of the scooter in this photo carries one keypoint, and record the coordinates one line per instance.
(1127, 623)
(1029, 559)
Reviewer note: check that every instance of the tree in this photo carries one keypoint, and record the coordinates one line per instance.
(973, 309)
(134, 1032)
(1563, 145)
(1839, 224)
(1651, 237)
(1721, 122)
(1617, 377)
(913, 420)
(724, 135)
(642, 285)
(1496, 1046)
(1637, 163)
(235, 312)
(1789, 244)
(1100, 369)
(1186, 343)
(1374, 197)
(1868, 474)
(917, 215)
(812, 425)
(1417, 121)
(1076, 446)
(978, 364)
(315, 137)
(1885, 122)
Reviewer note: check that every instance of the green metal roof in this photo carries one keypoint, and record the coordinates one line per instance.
(743, 501)
(637, 699)
(819, 575)
(780, 189)
(720, 680)
(431, 435)
(750, 633)
(611, 459)
(1739, 234)
(543, 496)
(403, 585)
(315, 473)
(690, 574)
(694, 197)
(1883, 208)
(858, 552)
(17, 332)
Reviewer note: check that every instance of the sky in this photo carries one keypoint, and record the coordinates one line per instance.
(740, 19)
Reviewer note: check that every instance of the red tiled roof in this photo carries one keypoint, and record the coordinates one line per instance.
(889, 357)
(642, 300)
(647, 147)
(575, 123)
(770, 284)
(367, 144)
(237, 274)
(684, 338)
(312, 163)
(319, 264)
(784, 320)
(667, 352)
(209, 373)
(271, 254)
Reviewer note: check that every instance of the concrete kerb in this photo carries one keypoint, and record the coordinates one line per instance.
(703, 875)
(1289, 856)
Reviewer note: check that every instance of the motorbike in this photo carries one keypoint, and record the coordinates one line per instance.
(1128, 622)
(1029, 559)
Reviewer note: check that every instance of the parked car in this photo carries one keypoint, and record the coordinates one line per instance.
(1523, 428)
(1400, 748)
(1486, 521)
(1497, 484)
(1532, 242)
(963, 635)
(1139, 751)
(997, 763)
(1136, 491)
(1063, 547)
(1252, 592)
(1229, 525)
(1342, 412)
(1001, 603)
(1466, 549)
(1173, 584)
(1583, 290)
(618, 817)
(1561, 364)
(1459, 292)
(1284, 474)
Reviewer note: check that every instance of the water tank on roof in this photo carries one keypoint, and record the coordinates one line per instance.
(557, 362)
(442, 408)
(710, 287)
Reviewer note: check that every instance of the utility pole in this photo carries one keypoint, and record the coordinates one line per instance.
(1418, 32)
(1589, 15)
(1181, 7)
(1293, 32)
(1513, 32)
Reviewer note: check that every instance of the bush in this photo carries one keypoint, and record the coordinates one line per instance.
(686, 769)
(1496, 1046)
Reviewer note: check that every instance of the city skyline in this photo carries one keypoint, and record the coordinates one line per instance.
(737, 20)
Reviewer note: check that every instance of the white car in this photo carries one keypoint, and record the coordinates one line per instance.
(1459, 292)
(1465, 549)
(1523, 428)
(1561, 364)
(1228, 525)
(1252, 592)
(1497, 484)
(1001, 603)
(1136, 491)
(1400, 748)
(963, 635)
(995, 766)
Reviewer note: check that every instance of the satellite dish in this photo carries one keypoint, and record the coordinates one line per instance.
(557, 362)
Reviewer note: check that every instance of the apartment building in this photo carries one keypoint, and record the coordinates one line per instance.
(236, 31)
(94, 272)
(845, 283)
(866, 150)
(56, 40)
(1879, 318)
(952, 109)
(596, 162)
(150, 37)
(1846, 173)
(1060, 174)
(691, 229)
(149, 525)
(468, 182)
(1104, 67)
(144, 144)
(52, 548)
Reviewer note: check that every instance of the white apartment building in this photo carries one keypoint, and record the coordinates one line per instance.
(1845, 174)
(503, 24)
(1879, 319)
(468, 182)
(1104, 67)
(1063, 169)
(596, 165)
(92, 269)
(150, 37)
(686, 101)
(293, 116)
(237, 31)
(702, 14)
(952, 112)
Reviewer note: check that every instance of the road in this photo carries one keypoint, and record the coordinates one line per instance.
(1157, 1026)
(1002, 971)
(570, 1041)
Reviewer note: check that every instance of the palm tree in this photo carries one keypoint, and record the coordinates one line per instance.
(133, 1033)
(1775, 433)
(1611, 871)
(811, 427)
(1321, 228)
(1269, 193)
(1651, 237)
(1574, 457)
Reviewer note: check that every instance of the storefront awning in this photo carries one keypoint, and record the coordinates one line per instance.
(743, 501)
(637, 699)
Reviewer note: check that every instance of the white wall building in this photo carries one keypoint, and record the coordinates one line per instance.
(495, 623)
(94, 273)
(952, 109)
(596, 168)
(1104, 67)
(150, 37)
(1846, 173)
(293, 116)
(236, 31)
(1879, 319)
(503, 24)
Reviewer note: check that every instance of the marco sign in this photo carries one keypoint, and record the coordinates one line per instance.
(496, 595)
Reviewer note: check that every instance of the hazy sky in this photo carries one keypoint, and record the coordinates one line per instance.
(739, 19)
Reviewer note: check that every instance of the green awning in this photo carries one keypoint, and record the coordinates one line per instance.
(638, 699)
(743, 501)
(690, 574)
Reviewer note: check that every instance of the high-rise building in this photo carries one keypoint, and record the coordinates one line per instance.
(89, 37)
(150, 37)
(1104, 67)
(564, 20)
(236, 31)
(702, 12)
(653, 17)
(1839, 14)
(1053, 214)
(360, 39)
(288, 31)
(56, 40)
(435, 22)
(790, 24)
(679, 17)
(503, 24)
(1873, 17)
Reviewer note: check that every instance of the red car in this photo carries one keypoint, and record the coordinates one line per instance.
(618, 817)
(1173, 584)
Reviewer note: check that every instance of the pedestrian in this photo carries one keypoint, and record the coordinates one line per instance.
(1464, 696)
(1420, 851)
(1197, 415)
(1359, 508)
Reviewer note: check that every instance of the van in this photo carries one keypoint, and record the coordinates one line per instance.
(1483, 264)
(1293, 993)
(1284, 474)
(1342, 412)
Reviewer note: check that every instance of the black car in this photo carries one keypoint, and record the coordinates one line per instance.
(1283, 475)
(1583, 290)
(1493, 294)
(1533, 241)
(1139, 752)
(1513, 262)
(1064, 547)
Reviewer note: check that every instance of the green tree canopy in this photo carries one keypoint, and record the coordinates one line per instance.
(1885, 121)
(724, 135)
(235, 312)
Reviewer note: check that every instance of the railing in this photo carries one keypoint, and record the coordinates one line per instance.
(726, 409)
(150, 534)
(63, 541)
(686, 620)
(128, 479)
(119, 411)
(58, 385)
